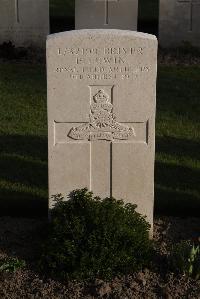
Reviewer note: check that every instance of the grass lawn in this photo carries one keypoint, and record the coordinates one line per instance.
(178, 141)
(23, 130)
(62, 8)
(23, 150)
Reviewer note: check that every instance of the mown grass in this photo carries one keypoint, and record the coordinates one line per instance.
(62, 8)
(178, 141)
(62, 15)
(23, 135)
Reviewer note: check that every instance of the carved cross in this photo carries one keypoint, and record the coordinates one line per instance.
(192, 6)
(106, 3)
(17, 10)
(102, 127)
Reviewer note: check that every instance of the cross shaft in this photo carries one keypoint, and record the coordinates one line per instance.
(17, 10)
(107, 10)
(192, 3)
(106, 3)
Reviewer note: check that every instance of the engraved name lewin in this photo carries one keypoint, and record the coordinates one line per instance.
(103, 124)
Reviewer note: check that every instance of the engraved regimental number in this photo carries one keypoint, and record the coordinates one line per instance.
(17, 10)
(106, 3)
(192, 4)
(103, 124)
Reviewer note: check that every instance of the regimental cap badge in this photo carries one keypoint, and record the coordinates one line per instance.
(102, 124)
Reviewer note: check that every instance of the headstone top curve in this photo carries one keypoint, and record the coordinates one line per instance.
(99, 32)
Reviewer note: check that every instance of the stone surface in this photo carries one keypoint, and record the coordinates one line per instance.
(105, 14)
(24, 22)
(101, 114)
(179, 21)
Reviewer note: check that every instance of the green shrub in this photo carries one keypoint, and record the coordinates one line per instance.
(90, 237)
(185, 259)
(11, 264)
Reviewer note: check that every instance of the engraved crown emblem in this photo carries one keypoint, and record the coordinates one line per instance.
(101, 96)
(103, 124)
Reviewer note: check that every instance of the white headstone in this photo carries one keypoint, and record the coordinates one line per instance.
(24, 22)
(179, 22)
(101, 114)
(105, 14)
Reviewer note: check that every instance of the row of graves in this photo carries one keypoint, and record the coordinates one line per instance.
(26, 22)
(101, 90)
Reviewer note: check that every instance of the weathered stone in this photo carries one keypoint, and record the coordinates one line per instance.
(101, 114)
(105, 14)
(24, 22)
(179, 21)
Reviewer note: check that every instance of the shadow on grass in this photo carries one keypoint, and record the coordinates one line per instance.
(178, 147)
(23, 176)
(21, 204)
(174, 203)
(177, 186)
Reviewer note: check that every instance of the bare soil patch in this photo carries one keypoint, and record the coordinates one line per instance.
(22, 238)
